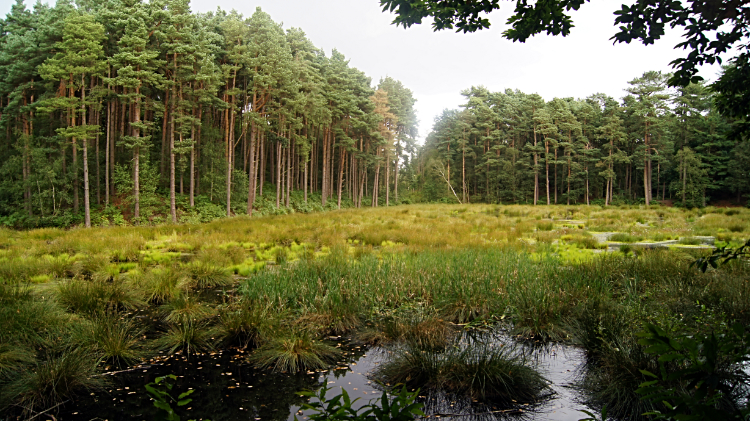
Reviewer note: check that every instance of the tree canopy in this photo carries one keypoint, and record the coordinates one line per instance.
(145, 111)
(711, 28)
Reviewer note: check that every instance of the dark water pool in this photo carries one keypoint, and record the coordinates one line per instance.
(228, 388)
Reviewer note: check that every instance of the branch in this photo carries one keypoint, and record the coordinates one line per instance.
(439, 169)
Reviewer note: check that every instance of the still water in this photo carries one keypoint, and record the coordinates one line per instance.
(228, 388)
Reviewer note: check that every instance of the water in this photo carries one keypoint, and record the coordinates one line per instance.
(228, 388)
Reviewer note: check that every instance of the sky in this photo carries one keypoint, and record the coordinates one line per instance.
(437, 66)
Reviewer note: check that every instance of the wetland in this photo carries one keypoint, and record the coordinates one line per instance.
(490, 311)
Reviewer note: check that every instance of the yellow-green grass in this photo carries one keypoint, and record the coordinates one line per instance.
(415, 226)
(538, 271)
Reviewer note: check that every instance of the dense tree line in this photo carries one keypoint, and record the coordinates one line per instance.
(139, 104)
(656, 143)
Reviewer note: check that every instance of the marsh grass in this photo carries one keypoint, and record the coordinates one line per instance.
(188, 337)
(186, 308)
(690, 241)
(247, 325)
(294, 351)
(418, 325)
(205, 275)
(612, 378)
(490, 373)
(162, 284)
(52, 380)
(93, 297)
(623, 237)
(113, 338)
(87, 266)
(410, 278)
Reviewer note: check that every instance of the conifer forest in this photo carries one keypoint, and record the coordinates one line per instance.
(148, 108)
(205, 216)
(148, 112)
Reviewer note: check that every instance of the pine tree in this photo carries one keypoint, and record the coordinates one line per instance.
(80, 56)
(136, 65)
(648, 107)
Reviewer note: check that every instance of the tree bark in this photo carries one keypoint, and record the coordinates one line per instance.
(172, 103)
(251, 170)
(86, 201)
(342, 160)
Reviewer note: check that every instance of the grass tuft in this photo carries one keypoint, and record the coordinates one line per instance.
(205, 275)
(114, 339)
(53, 380)
(189, 337)
(485, 372)
(294, 352)
(163, 284)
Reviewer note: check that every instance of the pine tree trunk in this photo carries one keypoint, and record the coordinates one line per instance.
(684, 181)
(278, 174)
(165, 134)
(172, 103)
(324, 184)
(251, 170)
(646, 164)
(395, 170)
(137, 155)
(86, 201)
(290, 170)
(342, 160)
(463, 170)
(192, 163)
(97, 119)
(555, 168)
(546, 159)
(387, 180)
(106, 153)
(536, 171)
(263, 153)
(375, 183)
(569, 173)
(307, 161)
(75, 155)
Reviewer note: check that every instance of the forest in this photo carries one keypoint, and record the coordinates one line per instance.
(131, 112)
(657, 143)
(137, 109)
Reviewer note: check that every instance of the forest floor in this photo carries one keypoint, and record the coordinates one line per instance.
(79, 302)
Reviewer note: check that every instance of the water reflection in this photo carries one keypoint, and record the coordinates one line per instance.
(228, 388)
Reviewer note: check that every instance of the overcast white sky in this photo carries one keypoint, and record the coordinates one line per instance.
(437, 66)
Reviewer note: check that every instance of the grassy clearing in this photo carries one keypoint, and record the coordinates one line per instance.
(409, 276)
